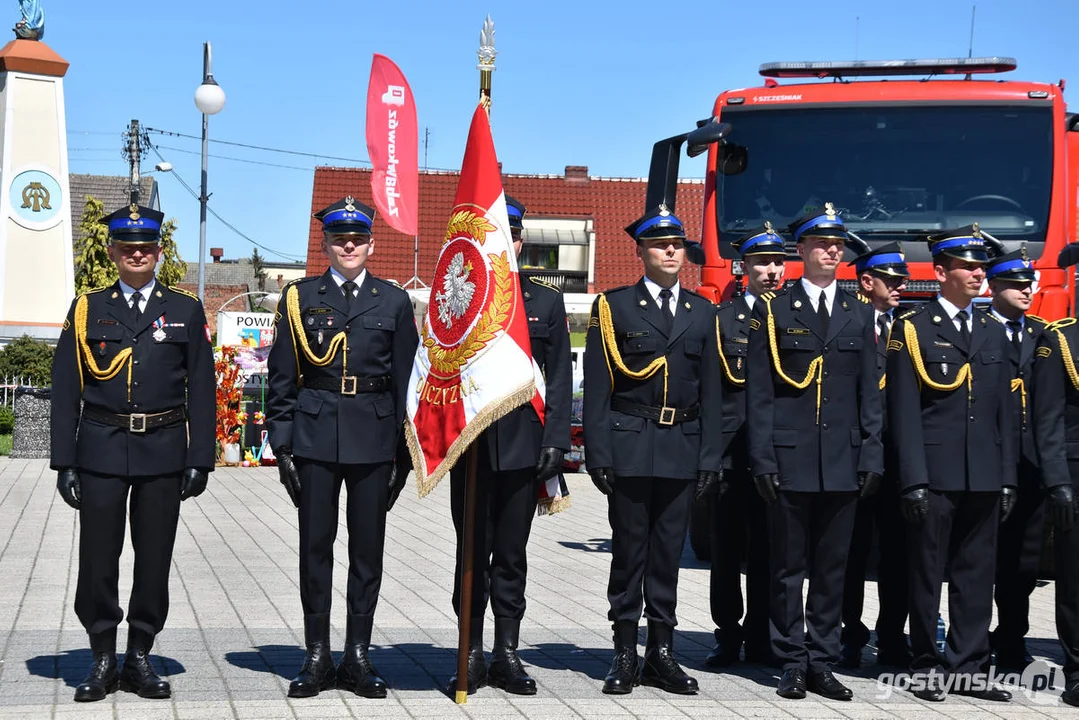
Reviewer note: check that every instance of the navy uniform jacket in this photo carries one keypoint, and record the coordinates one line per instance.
(381, 337)
(635, 446)
(785, 436)
(1022, 368)
(171, 366)
(515, 439)
(944, 439)
(1056, 404)
(734, 316)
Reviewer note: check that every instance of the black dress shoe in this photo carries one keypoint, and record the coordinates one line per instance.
(506, 670)
(138, 676)
(792, 685)
(477, 672)
(850, 656)
(992, 694)
(1071, 694)
(317, 673)
(102, 679)
(823, 683)
(357, 674)
(725, 652)
(932, 694)
(625, 671)
(660, 668)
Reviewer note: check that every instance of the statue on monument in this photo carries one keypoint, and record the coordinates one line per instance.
(32, 25)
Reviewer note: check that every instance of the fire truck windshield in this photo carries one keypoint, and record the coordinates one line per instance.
(893, 172)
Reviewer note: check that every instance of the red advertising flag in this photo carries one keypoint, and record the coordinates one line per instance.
(392, 140)
(474, 363)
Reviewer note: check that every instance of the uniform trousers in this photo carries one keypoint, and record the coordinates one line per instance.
(649, 518)
(1019, 550)
(154, 508)
(740, 530)
(365, 513)
(810, 536)
(882, 511)
(959, 535)
(505, 507)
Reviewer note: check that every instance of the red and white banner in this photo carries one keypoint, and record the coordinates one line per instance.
(392, 139)
(474, 363)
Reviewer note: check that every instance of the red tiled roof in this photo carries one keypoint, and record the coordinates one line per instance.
(611, 203)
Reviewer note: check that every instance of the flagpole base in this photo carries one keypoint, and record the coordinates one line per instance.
(461, 697)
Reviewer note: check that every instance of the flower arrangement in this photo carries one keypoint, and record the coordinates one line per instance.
(230, 381)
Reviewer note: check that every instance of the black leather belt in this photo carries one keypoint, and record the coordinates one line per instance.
(135, 422)
(661, 415)
(349, 384)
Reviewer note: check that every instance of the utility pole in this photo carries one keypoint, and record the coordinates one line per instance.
(134, 149)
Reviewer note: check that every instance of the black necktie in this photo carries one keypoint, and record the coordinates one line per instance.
(665, 296)
(1017, 337)
(136, 309)
(882, 326)
(349, 289)
(964, 331)
(822, 313)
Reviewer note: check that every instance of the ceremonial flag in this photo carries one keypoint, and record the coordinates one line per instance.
(474, 363)
(392, 137)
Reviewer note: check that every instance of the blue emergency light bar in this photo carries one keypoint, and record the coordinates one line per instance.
(880, 68)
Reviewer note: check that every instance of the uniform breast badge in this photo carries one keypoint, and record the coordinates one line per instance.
(159, 329)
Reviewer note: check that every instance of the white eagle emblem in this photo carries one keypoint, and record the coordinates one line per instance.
(456, 295)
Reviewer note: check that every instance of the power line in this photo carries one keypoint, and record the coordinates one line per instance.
(236, 159)
(261, 147)
(224, 222)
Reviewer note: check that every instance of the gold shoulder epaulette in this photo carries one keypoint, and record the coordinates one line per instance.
(766, 296)
(396, 284)
(1037, 318)
(994, 317)
(863, 298)
(178, 291)
(95, 290)
(908, 313)
(1060, 324)
(543, 283)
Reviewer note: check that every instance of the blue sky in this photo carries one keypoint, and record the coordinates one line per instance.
(578, 83)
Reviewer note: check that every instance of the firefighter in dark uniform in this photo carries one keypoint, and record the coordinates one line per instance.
(136, 355)
(739, 523)
(1019, 544)
(338, 372)
(814, 420)
(652, 425)
(882, 277)
(518, 456)
(949, 414)
(1056, 426)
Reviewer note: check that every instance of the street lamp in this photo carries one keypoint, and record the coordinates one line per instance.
(209, 99)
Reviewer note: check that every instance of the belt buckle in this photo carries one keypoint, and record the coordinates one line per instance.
(348, 384)
(136, 422)
(666, 415)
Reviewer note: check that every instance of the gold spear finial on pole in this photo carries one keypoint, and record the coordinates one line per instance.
(486, 65)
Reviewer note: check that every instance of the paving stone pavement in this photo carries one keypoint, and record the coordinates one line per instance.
(235, 630)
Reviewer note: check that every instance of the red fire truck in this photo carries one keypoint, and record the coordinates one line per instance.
(902, 149)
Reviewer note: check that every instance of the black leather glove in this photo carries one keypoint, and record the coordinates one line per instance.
(1007, 502)
(549, 463)
(603, 479)
(1062, 507)
(398, 478)
(67, 483)
(709, 482)
(914, 505)
(193, 483)
(290, 476)
(767, 486)
(869, 482)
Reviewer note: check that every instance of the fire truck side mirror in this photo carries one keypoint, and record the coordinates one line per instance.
(733, 159)
(697, 141)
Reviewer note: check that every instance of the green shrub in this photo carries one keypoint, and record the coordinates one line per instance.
(7, 420)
